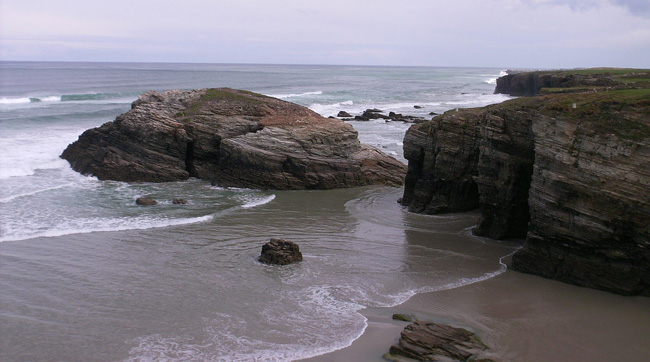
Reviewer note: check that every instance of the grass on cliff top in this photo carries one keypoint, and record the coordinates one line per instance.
(626, 76)
(625, 113)
(227, 93)
(234, 99)
(615, 72)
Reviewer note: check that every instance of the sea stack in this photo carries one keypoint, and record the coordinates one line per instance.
(234, 138)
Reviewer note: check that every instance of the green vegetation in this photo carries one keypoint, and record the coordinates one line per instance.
(615, 72)
(231, 94)
(624, 113)
(479, 341)
(226, 99)
(404, 317)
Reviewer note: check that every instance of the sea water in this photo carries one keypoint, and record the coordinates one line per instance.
(86, 274)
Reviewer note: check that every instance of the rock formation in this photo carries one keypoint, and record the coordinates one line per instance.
(569, 172)
(235, 138)
(517, 83)
(428, 341)
(374, 113)
(280, 252)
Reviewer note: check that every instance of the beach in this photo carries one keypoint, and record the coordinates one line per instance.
(521, 318)
(87, 274)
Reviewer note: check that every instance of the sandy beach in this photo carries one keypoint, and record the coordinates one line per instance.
(522, 318)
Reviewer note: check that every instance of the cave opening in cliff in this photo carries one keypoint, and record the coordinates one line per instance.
(189, 160)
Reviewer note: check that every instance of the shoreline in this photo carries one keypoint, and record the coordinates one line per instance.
(521, 317)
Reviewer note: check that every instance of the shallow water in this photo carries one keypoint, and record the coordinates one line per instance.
(85, 274)
(196, 292)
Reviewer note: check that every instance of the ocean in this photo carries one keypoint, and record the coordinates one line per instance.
(87, 275)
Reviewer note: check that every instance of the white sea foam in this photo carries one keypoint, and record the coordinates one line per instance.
(332, 109)
(23, 154)
(319, 323)
(33, 192)
(493, 79)
(85, 226)
(257, 201)
(469, 281)
(295, 95)
(21, 100)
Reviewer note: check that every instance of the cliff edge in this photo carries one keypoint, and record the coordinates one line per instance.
(569, 171)
(234, 138)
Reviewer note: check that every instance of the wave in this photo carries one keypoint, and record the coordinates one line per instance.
(15, 100)
(295, 95)
(469, 281)
(482, 100)
(29, 169)
(493, 79)
(108, 225)
(35, 192)
(332, 109)
(258, 201)
(68, 98)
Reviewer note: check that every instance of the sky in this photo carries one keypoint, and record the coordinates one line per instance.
(480, 33)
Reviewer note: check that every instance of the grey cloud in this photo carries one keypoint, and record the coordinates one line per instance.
(636, 7)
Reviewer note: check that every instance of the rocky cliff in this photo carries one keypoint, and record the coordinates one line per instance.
(235, 138)
(569, 172)
(518, 83)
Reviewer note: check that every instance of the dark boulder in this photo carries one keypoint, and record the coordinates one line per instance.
(146, 201)
(280, 252)
(344, 114)
(178, 201)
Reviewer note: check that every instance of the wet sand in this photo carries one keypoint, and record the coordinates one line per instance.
(522, 318)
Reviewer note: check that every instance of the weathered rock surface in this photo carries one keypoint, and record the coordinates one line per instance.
(235, 138)
(574, 181)
(280, 252)
(531, 83)
(428, 341)
(521, 83)
(442, 161)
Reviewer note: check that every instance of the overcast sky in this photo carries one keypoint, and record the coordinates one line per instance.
(495, 33)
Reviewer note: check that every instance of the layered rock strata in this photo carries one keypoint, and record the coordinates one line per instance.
(235, 138)
(531, 83)
(428, 341)
(570, 172)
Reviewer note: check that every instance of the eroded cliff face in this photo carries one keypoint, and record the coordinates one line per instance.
(472, 158)
(575, 182)
(590, 195)
(234, 138)
(531, 83)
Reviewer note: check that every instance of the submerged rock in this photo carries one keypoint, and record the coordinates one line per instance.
(178, 201)
(234, 138)
(280, 252)
(428, 341)
(146, 201)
